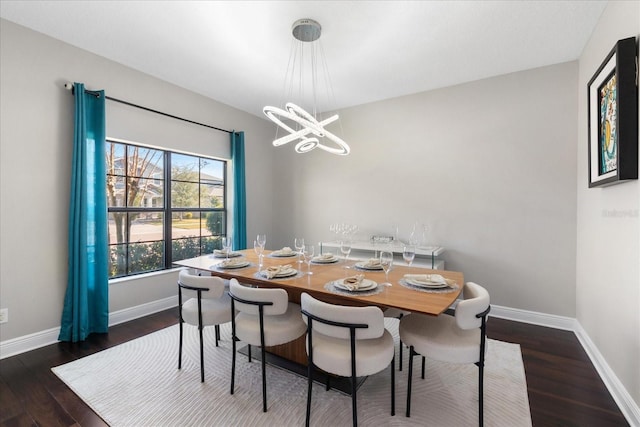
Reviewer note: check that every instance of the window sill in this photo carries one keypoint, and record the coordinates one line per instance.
(143, 276)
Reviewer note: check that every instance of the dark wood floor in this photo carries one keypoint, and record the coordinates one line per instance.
(564, 388)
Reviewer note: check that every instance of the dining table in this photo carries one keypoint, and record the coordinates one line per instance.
(321, 284)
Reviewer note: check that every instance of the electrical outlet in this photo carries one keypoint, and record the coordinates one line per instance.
(4, 315)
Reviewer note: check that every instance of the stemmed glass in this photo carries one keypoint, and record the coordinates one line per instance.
(299, 244)
(262, 240)
(386, 260)
(307, 252)
(226, 245)
(408, 254)
(259, 249)
(345, 248)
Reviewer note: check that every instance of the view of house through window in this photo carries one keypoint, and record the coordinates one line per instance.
(163, 206)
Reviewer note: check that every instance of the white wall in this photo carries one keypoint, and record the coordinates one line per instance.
(35, 153)
(608, 227)
(489, 165)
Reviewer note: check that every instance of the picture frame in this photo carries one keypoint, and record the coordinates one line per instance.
(613, 117)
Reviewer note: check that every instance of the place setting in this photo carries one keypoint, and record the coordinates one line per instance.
(326, 258)
(354, 285)
(434, 283)
(226, 251)
(277, 272)
(233, 263)
(372, 264)
(285, 252)
(222, 253)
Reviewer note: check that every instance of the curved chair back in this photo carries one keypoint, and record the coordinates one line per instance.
(476, 301)
(277, 300)
(209, 286)
(371, 319)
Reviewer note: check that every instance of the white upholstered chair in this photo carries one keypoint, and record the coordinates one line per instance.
(348, 342)
(265, 318)
(210, 306)
(455, 339)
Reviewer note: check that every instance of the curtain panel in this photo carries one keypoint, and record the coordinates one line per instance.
(86, 303)
(239, 192)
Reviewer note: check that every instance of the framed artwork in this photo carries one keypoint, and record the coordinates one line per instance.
(613, 117)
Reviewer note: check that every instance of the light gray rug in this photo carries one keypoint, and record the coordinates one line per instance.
(138, 384)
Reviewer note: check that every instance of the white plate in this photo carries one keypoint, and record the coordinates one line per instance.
(283, 254)
(234, 265)
(287, 273)
(324, 260)
(363, 265)
(231, 255)
(434, 285)
(366, 285)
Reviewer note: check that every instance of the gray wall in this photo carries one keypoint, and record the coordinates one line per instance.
(35, 153)
(489, 165)
(608, 228)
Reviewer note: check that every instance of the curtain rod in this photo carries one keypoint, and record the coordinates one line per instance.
(69, 86)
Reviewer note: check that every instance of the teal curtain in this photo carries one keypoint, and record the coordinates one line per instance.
(86, 302)
(239, 193)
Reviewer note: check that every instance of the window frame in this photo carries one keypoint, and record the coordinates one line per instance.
(166, 210)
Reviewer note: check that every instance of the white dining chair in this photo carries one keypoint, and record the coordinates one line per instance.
(264, 318)
(346, 341)
(460, 338)
(210, 306)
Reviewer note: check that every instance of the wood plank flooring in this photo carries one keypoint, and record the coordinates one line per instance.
(564, 387)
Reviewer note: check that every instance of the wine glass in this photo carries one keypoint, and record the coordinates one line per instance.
(226, 245)
(307, 252)
(386, 260)
(299, 244)
(258, 250)
(408, 254)
(262, 240)
(345, 248)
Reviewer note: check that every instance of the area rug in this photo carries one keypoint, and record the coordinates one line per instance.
(138, 384)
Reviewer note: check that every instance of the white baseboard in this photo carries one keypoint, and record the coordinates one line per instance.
(534, 318)
(36, 340)
(623, 399)
(620, 395)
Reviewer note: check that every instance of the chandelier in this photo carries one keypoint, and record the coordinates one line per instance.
(306, 128)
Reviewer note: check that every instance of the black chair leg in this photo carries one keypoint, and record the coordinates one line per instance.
(423, 363)
(264, 382)
(480, 396)
(201, 357)
(400, 368)
(354, 400)
(393, 386)
(217, 334)
(180, 350)
(249, 352)
(309, 387)
(411, 354)
(233, 362)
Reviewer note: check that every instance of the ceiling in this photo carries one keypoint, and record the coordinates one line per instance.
(237, 51)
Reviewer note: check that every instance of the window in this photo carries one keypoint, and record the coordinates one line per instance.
(163, 206)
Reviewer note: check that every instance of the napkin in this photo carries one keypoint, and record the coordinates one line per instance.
(426, 278)
(275, 270)
(353, 283)
(219, 252)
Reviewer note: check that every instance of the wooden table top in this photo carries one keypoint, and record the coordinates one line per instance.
(395, 296)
